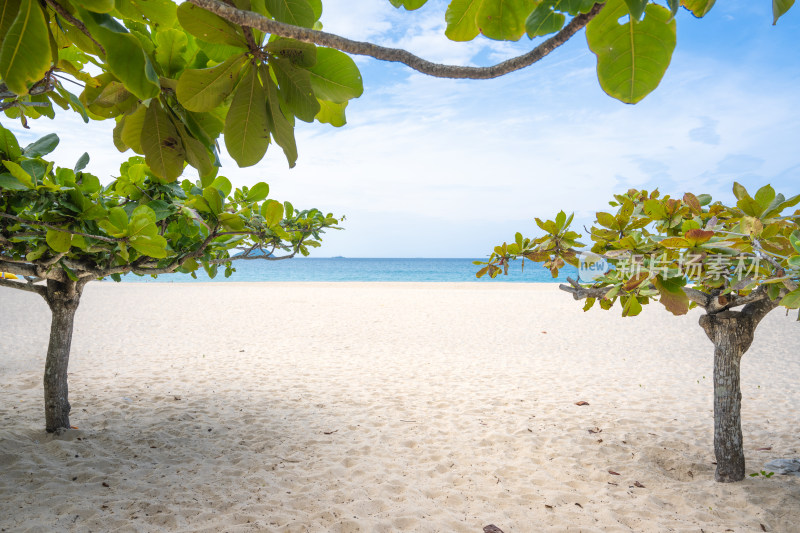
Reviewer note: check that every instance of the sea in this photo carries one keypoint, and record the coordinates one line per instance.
(365, 269)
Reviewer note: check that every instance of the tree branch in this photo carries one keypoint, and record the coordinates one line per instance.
(758, 309)
(581, 293)
(41, 290)
(19, 269)
(699, 297)
(254, 20)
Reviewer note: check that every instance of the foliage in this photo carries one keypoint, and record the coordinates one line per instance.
(61, 223)
(678, 251)
(174, 78)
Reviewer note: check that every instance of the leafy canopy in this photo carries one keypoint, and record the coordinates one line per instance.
(174, 78)
(678, 251)
(63, 224)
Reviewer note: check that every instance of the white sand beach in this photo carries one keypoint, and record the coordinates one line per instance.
(383, 407)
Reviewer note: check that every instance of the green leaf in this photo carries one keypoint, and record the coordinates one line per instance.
(671, 295)
(460, 17)
(298, 53)
(205, 89)
(246, 128)
(410, 5)
(779, 8)
(82, 162)
(162, 146)
(69, 272)
(119, 218)
(25, 54)
(549, 226)
(36, 254)
(544, 20)
(223, 185)
(42, 146)
(675, 242)
(214, 199)
(231, 221)
(295, 88)
(59, 241)
(631, 57)
(739, 191)
(258, 192)
(636, 8)
(503, 20)
(132, 129)
(574, 7)
(699, 8)
(196, 153)
(98, 6)
(764, 196)
(125, 57)
(272, 211)
(161, 209)
(750, 207)
(294, 12)
(280, 127)
(150, 245)
(143, 222)
(316, 5)
(333, 114)
(7, 181)
(794, 238)
(607, 220)
(791, 300)
(161, 12)
(20, 174)
(209, 27)
(335, 77)
(74, 102)
(631, 306)
(9, 145)
(171, 51)
(8, 12)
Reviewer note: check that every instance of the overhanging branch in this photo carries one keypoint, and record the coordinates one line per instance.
(581, 293)
(254, 20)
(41, 290)
(18, 269)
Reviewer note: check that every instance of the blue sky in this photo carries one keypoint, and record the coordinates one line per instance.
(441, 168)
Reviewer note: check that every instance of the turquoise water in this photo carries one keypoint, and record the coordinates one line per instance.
(362, 269)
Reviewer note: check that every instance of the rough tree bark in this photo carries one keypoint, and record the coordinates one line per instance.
(732, 333)
(63, 299)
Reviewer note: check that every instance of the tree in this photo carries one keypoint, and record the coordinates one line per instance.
(736, 262)
(60, 229)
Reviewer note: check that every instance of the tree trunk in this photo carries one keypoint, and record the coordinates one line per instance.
(63, 299)
(732, 333)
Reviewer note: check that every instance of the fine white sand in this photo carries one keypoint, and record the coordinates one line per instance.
(385, 407)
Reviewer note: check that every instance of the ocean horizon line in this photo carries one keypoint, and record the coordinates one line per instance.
(362, 269)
